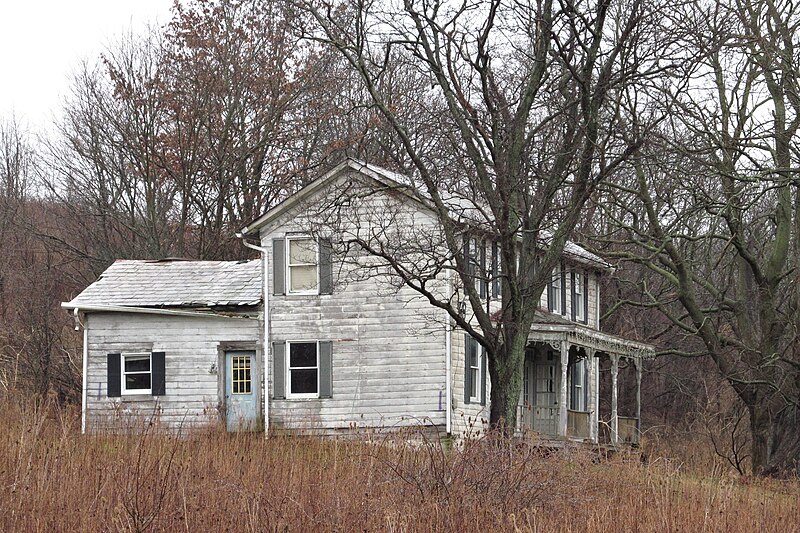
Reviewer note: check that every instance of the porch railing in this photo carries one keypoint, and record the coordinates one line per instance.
(578, 424)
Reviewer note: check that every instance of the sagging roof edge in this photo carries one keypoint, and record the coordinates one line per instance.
(95, 308)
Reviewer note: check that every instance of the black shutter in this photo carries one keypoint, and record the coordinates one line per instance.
(468, 347)
(158, 369)
(585, 298)
(278, 370)
(483, 376)
(114, 384)
(325, 370)
(484, 286)
(495, 271)
(563, 290)
(278, 266)
(325, 267)
(573, 299)
(551, 294)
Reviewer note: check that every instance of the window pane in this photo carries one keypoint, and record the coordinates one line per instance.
(304, 278)
(302, 251)
(303, 354)
(241, 381)
(473, 393)
(304, 381)
(139, 363)
(137, 381)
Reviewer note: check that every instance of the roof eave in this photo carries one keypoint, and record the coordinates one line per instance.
(99, 308)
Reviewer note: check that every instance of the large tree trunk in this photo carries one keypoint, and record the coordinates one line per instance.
(775, 439)
(505, 372)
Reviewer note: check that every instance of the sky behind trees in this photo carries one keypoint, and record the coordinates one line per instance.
(43, 42)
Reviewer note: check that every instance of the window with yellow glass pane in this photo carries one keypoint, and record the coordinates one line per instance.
(240, 375)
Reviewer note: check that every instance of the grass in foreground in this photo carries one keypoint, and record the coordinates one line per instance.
(54, 479)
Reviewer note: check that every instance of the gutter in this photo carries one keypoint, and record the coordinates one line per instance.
(265, 300)
(85, 376)
(448, 359)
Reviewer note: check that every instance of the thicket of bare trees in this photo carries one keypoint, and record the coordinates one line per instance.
(666, 134)
(711, 209)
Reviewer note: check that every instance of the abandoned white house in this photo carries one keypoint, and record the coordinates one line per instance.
(312, 336)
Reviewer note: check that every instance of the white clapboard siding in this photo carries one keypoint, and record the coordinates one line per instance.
(388, 346)
(191, 347)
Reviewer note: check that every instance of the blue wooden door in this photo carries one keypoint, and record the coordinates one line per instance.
(241, 400)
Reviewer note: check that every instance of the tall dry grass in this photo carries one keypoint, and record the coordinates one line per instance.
(54, 479)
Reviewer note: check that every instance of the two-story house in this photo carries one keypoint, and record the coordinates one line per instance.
(321, 336)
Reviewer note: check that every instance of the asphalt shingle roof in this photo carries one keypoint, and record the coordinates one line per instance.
(175, 283)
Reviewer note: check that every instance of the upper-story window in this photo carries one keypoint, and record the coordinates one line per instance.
(475, 259)
(555, 292)
(578, 290)
(302, 265)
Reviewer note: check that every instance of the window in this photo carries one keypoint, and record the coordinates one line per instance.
(578, 378)
(240, 375)
(578, 296)
(136, 373)
(474, 264)
(474, 369)
(554, 291)
(496, 271)
(302, 265)
(303, 370)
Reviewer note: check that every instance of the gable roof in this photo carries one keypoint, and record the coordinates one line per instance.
(381, 175)
(174, 283)
(458, 206)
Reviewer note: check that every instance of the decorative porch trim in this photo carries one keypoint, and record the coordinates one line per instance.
(591, 340)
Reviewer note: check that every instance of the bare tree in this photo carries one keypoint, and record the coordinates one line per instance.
(712, 208)
(517, 116)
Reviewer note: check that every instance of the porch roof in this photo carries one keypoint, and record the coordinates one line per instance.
(553, 330)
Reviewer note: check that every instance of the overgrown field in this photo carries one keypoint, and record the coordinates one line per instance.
(54, 479)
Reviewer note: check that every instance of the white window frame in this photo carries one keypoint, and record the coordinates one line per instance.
(474, 266)
(578, 385)
(139, 355)
(289, 368)
(476, 383)
(289, 265)
(555, 281)
(580, 312)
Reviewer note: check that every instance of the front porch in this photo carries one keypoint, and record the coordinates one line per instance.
(561, 393)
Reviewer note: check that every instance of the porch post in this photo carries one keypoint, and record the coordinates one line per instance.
(614, 396)
(562, 402)
(591, 406)
(638, 362)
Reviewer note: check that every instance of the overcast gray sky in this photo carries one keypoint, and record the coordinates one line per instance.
(42, 42)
